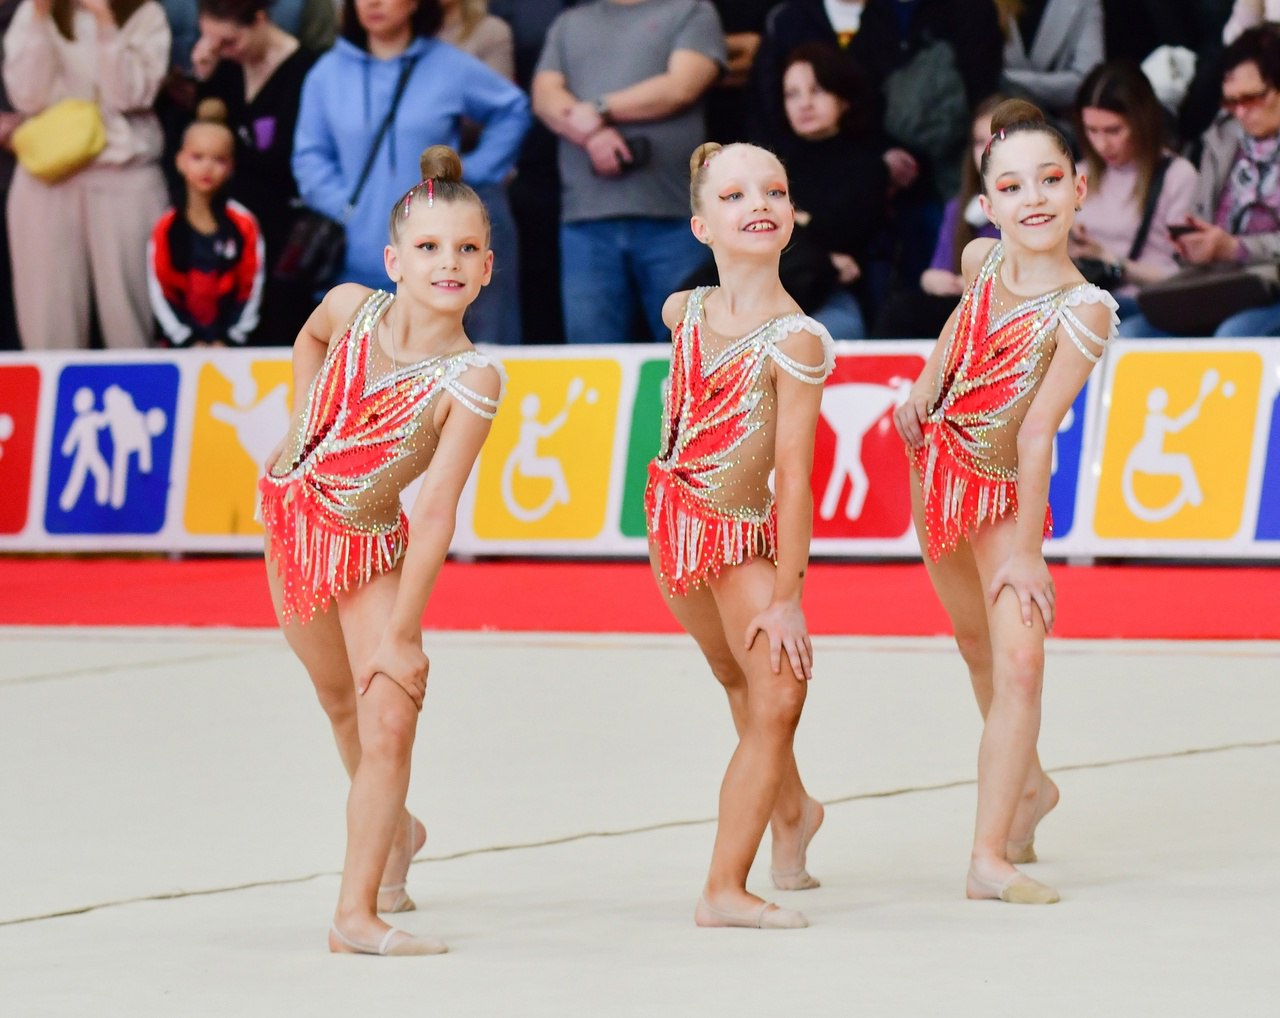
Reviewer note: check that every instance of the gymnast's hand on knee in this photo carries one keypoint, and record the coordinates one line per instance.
(1028, 576)
(401, 661)
(784, 626)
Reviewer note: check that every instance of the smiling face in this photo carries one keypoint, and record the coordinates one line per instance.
(442, 256)
(743, 203)
(1031, 190)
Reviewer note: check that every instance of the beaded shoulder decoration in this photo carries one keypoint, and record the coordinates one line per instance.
(991, 368)
(325, 509)
(709, 412)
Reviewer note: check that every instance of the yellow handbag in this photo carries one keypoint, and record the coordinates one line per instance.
(65, 138)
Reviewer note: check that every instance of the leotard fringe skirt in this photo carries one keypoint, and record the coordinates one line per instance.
(695, 541)
(316, 553)
(957, 500)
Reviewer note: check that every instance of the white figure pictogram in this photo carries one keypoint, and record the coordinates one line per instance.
(131, 432)
(1149, 455)
(6, 431)
(81, 443)
(852, 409)
(257, 422)
(525, 459)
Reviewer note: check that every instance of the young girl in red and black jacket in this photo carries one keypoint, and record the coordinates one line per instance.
(205, 260)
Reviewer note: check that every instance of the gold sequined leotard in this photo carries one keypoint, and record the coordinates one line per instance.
(991, 370)
(331, 502)
(708, 502)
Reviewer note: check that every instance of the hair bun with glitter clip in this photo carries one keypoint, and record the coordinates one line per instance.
(702, 156)
(1015, 113)
(441, 163)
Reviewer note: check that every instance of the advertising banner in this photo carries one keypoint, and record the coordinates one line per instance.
(1172, 450)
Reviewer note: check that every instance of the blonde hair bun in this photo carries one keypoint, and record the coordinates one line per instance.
(701, 154)
(212, 111)
(441, 163)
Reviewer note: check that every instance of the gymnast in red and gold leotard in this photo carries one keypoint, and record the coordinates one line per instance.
(979, 425)
(729, 547)
(708, 500)
(331, 502)
(991, 369)
(387, 389)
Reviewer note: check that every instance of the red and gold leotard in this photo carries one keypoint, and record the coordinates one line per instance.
(708, 502)
(991, 369)
(331, 502)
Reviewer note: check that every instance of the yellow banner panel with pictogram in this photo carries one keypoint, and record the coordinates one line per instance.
(545, 468)
(242, 413)
(1179, 436)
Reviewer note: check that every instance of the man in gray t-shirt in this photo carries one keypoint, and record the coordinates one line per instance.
(622, 84)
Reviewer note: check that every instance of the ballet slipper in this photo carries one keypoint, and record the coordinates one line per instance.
(767, 917)
(394, 943)
(1017, 889)
(394, 897)
(798, 879)
(1023, 850)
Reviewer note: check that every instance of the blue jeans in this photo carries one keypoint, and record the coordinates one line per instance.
(495, 316)
(842, 315)
(1263, 321)
(613, 269)
(1127, 305)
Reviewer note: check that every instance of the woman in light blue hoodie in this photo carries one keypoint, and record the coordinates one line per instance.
(348, 93)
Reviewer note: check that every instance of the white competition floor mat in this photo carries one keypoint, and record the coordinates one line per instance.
(171, 825)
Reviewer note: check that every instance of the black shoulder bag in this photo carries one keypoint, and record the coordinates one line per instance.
(316, 246)
(1106, 274)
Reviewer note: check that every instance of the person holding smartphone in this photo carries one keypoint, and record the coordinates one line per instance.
(1236, 215)
(623, 84)
(1133, 179)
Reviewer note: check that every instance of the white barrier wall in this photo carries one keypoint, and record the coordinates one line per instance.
(1173, 451)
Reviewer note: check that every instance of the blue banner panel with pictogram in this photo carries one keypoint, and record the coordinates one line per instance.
(111, 449)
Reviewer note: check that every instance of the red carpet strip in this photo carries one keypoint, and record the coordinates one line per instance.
(874, 599)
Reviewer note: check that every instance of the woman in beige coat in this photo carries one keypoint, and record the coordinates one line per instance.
(84, 238)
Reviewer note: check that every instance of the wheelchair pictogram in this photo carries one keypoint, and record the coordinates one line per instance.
(527, 462)
(1149, 455)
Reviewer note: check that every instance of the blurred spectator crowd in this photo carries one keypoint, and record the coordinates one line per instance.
(226, 121)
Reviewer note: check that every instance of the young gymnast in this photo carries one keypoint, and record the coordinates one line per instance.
(387, 388)
(747, 368)
(980, 425)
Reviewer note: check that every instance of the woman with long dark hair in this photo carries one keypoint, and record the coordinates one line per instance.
(1121, 128)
